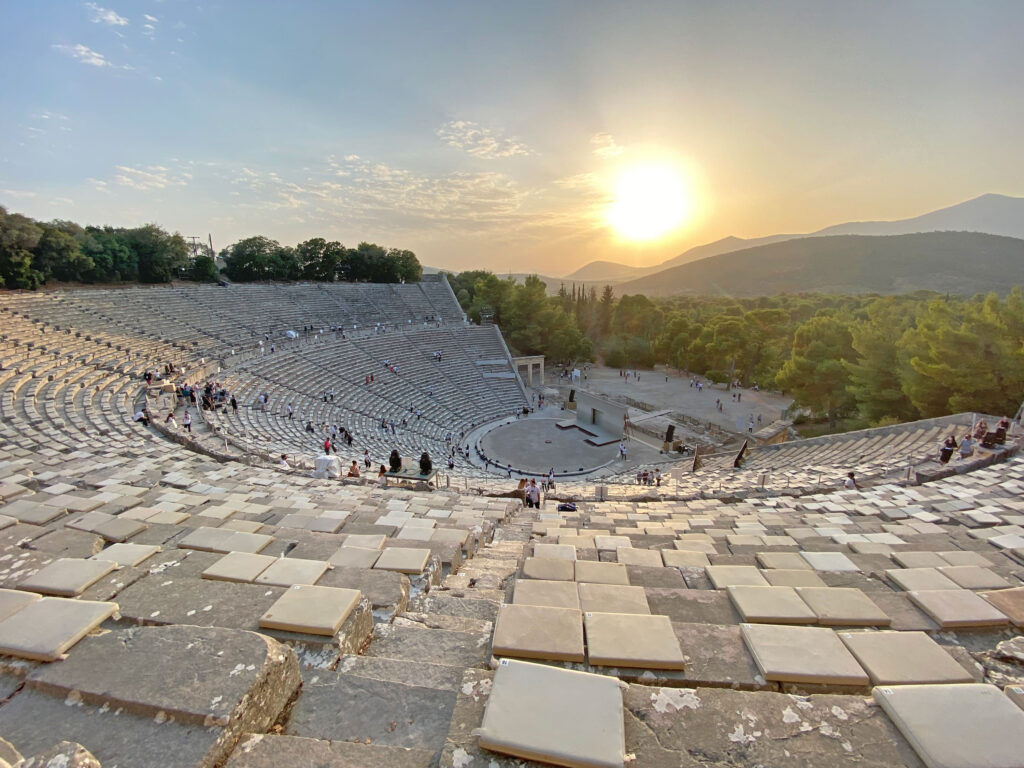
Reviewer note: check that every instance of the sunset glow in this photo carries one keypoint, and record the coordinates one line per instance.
(650, 202)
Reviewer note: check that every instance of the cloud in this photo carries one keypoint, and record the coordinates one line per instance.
(149, 178)
(151, 19)
(478, 141)
(16, 193)
(85, 55)
(604, 146)
(106, 16)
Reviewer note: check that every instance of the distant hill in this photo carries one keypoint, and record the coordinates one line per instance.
(963, 263)
(992, 214)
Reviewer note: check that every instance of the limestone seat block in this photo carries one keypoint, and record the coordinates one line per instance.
(246, 526)
(678, 558)
(286, 571)
(1010, 602)
(723, 576)
(364, 541)
(904, 658)
(790, 561)
(556, 594)
(958, 608)
(632, 556)
(974, 577)
(354, 557)
(556, 551)
(32, 512)
(549, 569)
(128, 555)
(771, 605)
(13, 600)
(957, 726)
(238, 567)
(67, 577)
(918, 579)
(600, 573)
(843, 607)
(556, 716)
(783, 577)
(687, 545)
(220, 540)
(403, 560)
(45, 629)
(919, 559)
(632, 640)
(119, 529)
(965, 557)
(612, 543)
(612, 598)
(801, 655)
(311, 609)
(829, 561)
(538, 632)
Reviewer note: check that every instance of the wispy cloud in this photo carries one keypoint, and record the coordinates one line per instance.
(605, 146)
(149, 178)
(85, 54)
(150, 19)
(16, 193)
(479, 141)
(106, 16)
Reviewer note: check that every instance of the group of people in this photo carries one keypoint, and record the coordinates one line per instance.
(968, 443)
(649, 477)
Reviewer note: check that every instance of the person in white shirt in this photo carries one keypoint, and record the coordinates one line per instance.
(283, 464)
(186, 422)
(850, 482)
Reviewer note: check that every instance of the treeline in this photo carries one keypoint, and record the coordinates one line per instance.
(874, 359)
(33, 253)
(260, 258)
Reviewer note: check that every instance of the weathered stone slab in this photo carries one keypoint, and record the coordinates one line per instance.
(677, 558)
(403, 560)
(843, 607)
(437, 646)
(286, 571)
(195, 691)
(387, 591)
(632, 640)
(66, 754)
(703, 606)
(612, 598)
(829, 561)
(259, 750)
(556, 594)
(672, 728)
(67, 577)
(802, 655)
(650, 558)
(311, 610)
(13, 600)
(45, 629)
(974, 577)
(723, 576)
(238, 567)
(354, 557)
(771, 605)
(128, 555)
(968, 726)
(601, 573)
(1009, 601)
(951, 608)
(549, 569)
(918, 579)
(903, 658)
(554, 715)
(779, 577)
(715, 654)
(538, 632)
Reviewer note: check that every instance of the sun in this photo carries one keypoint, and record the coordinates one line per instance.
(650, 201)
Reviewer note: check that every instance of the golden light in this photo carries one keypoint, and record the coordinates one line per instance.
(650, 201)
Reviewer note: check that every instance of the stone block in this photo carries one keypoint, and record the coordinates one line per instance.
(950, 608)
(556, 551)
(1009, 602)
(311, 610)
(67, 577)
(974, 577)
(259, 750)
(829, 561)
(632, 640)
(127, 555)
(961, 726)
(13, 600)
(549, 569)
(612, 598)
(239, 566)
(555, 594)
(677, 558)
(286, 571)
(813, 655)
(919, 579)
(771, 605)
(403, 560)
(843, 607)
(723, 576)
(650, 558)
(538, 632)
(780, 577)
(600, 573)
(904, 658)
(919, 559)
(553, 715)
(354, 557)
(45, 629)
(790, 561)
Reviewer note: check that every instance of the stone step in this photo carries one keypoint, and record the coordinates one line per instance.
(416, 673)
(260, 750)
(415, 620)
(469, 607)
(438, 646)
(346, 707)
(180, 691)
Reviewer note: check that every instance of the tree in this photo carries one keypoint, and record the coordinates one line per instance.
(157, 253)
(18, 236)
(875, 375)
(250, 259)
(203, 270)
(318, 259)
(816, 374)
(58, 254)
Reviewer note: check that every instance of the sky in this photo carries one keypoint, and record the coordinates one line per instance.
(492, 135)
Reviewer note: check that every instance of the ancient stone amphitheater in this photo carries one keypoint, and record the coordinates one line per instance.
(174, 599)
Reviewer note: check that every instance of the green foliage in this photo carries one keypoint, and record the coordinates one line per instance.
(816, 374)
(203, 270)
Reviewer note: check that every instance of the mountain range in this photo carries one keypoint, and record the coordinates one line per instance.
(990, 214)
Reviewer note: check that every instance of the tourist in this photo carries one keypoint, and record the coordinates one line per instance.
(980, 429)
(170, 420)
(353, 471)
(234, 405)
(366, 458)
(186, 421)
(657, 477)
(290, 410)
(850, 483)
(143, 417)
(283, 463)
(966, 446)
(947, 450)
(382, 476)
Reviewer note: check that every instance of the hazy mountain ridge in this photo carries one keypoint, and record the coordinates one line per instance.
(990, 213)
(964, 263)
